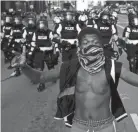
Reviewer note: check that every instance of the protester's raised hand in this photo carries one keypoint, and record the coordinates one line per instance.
(19, 60)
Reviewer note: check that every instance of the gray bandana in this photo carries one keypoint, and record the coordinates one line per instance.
(91, 58)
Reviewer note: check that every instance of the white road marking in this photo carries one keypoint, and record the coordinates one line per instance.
(120, 26)
(134, 117)
(122, 22)
(124, 96)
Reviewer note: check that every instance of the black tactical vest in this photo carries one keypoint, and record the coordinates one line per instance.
(18, 32)
(69, 30)
(7, 29)
(30, 33)
(106, 31)
(42, 39)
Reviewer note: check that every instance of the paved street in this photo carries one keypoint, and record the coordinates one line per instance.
(23, 109)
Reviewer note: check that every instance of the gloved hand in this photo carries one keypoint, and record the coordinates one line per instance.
(120, 50)
(66, 45)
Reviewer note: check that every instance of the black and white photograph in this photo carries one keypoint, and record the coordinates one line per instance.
(69, 65)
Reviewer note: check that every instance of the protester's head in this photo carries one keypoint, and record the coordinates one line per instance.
(90, 52)
(89, 36)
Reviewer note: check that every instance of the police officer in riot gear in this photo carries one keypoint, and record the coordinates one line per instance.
(43, 41)
(30, 30)
(82, 20)
(6, 34)
(91, 19)
(57, 19)
(16, 40)
(68, 30)
(131, 37)
(109, 32)
(131, 14)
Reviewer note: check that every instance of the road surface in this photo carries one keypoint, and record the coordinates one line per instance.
(23, 109)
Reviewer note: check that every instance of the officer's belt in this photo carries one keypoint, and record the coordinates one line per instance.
(71, 41)
(18, 40)
(89, 25)
(7, 36)
(46, 48)
(134, 42)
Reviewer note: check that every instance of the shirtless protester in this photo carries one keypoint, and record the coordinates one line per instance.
(92, 91)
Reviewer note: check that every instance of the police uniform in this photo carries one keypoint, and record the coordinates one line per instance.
(17, 36)
(68, 31)
(107, 31)
(6, 35)
(131, 33)
(82, 20)
(44, 45)
(28, 34)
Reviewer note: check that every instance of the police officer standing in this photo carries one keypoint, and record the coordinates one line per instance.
(108, 31)
(82, 20)
(16, 40)
(6, 29)
(30, 31)
(91, 19)
(42, 38)
(131, 38)
(68, 30)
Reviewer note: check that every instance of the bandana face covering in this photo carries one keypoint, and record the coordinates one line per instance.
(91, 58)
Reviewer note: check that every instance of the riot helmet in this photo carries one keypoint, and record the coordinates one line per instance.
(31, 22)
(8, 19)
(134, 21)
(69, 16)
(105, 18)
(2, 22)
(17, 20)
(42, 25)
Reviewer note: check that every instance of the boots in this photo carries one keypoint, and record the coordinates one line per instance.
(16, 73)
(41, 87)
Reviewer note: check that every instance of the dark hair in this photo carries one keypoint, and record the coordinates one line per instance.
(89, 31)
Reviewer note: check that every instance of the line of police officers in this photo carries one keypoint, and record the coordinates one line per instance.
(44, 45)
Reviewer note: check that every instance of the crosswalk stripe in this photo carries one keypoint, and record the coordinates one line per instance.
(120, 26)
(134, 117)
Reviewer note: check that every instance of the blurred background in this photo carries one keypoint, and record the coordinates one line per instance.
(51, 6)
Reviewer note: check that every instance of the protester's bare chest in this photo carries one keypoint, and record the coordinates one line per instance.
(96, 83)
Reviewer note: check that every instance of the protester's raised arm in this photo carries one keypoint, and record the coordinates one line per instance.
(33, 74)
(41, 76)
(129, 77)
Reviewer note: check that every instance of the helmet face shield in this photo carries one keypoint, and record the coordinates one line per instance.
(69, 17)
(17, 21)
(105, 19)
(136, 21)
(31, 23)
(2, 22)
(8, 19)
(42, 26)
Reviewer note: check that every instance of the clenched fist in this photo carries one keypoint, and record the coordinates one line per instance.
(19, 60)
